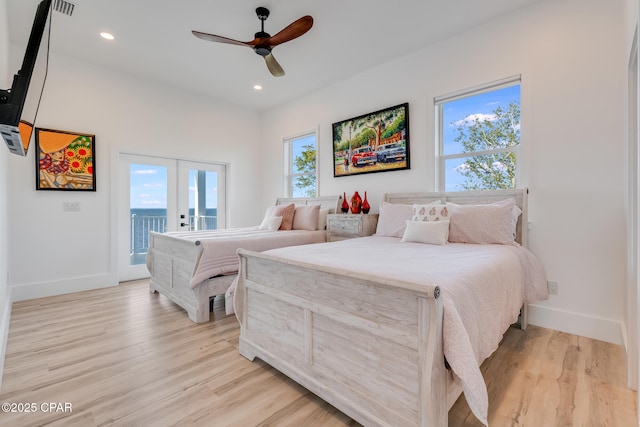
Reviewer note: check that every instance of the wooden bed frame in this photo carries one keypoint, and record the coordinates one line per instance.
(336, 333)
(174, 262)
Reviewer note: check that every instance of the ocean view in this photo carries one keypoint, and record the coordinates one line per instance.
(145, 220)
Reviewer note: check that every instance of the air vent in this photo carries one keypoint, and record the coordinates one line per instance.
(63, 7)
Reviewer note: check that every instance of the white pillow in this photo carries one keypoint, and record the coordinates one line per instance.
(392, 219)
(271, 223)
(306, 217)
(431, 232)
(431, 212)
(322, 218)
(484, 224)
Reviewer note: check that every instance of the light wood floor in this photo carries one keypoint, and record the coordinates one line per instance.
(122, 356)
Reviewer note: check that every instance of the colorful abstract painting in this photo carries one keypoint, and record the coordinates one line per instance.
(65, 160)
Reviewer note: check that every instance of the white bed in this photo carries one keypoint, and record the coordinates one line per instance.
(367, 323)
(191, 267)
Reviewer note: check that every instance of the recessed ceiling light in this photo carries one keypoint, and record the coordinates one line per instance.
(257, 87)
(107, 36)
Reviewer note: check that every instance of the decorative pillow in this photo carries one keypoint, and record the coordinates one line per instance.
(490, 223)
(431, 212)
(322, 218)
(392, 219)
(431, 232)
(306, 217)
(285, 211)
(271, 223)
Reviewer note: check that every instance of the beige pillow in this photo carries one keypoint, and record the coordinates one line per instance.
(431, 232)
(484, 224)
(306, 217)
(322, 218)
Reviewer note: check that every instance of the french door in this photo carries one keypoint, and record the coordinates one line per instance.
(161, 195)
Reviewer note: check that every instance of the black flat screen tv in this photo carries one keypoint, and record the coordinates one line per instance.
(19, 105)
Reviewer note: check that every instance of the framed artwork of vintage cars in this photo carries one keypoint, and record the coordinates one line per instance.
(373, 142)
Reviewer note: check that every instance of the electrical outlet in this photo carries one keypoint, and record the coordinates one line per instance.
(71, 206)
(553, 287)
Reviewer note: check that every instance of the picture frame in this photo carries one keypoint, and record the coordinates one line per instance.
(65, 161)
(372, 142)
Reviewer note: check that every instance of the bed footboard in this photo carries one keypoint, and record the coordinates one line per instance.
(371, 347)
(171, 266)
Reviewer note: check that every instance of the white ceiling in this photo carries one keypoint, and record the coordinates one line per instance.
(154, 40)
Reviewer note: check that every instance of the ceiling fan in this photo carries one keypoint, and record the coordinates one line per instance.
(263, 42)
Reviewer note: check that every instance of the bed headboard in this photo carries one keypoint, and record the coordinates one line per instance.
(325, 202)
(468, 198)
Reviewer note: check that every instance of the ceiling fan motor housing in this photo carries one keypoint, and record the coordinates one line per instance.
(262, 49)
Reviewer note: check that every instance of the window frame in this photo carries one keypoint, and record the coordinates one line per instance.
(439, 103)
(289, 175)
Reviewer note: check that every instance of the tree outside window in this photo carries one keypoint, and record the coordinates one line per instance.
(301, 166)
(479, 139)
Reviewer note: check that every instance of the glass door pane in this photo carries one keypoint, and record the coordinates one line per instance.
(148, 207)
(202, 201)
(147, 202)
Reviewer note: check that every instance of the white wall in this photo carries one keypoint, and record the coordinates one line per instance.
(5, 300)
(631, 11)
(54, 252)
(572, 59)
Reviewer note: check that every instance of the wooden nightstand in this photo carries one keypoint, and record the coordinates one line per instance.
(348, 226)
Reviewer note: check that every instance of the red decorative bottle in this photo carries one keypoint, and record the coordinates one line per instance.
(345, 205)
(365, 204)
(356, 203)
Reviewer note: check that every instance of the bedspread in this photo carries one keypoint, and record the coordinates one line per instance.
(218, 255)
(483, 288)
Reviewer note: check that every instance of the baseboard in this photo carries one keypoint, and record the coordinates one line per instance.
(5, 318)
(576, 323)
(59, 287)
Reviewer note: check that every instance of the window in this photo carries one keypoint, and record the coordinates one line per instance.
(479, 135)
(301, 179)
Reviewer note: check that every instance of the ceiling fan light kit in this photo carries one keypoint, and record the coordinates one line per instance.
(263, 43)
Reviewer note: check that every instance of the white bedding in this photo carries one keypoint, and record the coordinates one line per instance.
(218, 255)
(483, 288)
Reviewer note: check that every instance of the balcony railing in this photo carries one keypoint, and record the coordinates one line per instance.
(142, 224)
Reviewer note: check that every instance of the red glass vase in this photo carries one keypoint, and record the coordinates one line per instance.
(356, 203)
(365, 204)
(345, 206)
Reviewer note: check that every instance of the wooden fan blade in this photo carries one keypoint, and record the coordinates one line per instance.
(219, 39)
(273, 65)
(294, 30)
